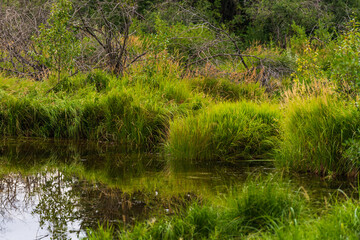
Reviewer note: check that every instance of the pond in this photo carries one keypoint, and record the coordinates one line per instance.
(58, 189)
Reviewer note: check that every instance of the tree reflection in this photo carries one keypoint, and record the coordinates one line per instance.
(58, 205)
(16, 194)
(66, 206)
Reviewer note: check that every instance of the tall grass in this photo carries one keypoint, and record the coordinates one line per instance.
(262, 209)
(262, 206)
(313, 133)
(117, 116)
(135, 110)
(341, 222)
(224, 89)
(224, 131)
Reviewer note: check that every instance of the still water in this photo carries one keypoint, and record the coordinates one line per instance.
(58, 189)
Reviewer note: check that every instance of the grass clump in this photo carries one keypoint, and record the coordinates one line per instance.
(223, 132)
(261, 206)
(102, 233)
(314, 132)
(197, 223)
(116, 116)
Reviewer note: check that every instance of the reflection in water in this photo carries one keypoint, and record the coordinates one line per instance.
(38, 207)
(53, 205)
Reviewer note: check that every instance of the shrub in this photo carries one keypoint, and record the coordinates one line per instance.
(345, 65)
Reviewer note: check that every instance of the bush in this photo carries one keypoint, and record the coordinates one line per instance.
(345, 65)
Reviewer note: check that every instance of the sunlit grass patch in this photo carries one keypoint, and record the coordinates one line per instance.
(224, 131)
(262, 205)
(342, 221)
(313, 134)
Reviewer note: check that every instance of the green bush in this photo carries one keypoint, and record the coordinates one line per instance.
(345, 62)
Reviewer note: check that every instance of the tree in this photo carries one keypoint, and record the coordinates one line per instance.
(18, 23)
(57, 41)
(107, 24)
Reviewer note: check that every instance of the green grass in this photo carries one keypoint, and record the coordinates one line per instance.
(224, 131)
(341, 222)
(117, 116)
(224, 89)
(313, 134)
(262, 206)
(132, 110)
(259, 206)
(262, 209)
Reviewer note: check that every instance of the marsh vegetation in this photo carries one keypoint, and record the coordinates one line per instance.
(182, 119)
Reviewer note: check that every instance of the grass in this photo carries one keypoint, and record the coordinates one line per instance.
(261, 205)
(262, 209)
(313, 135)
(342, 221)
(223, 89)
(224, 131)
(134, 110)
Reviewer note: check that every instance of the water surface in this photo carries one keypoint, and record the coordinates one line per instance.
(43, 197)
